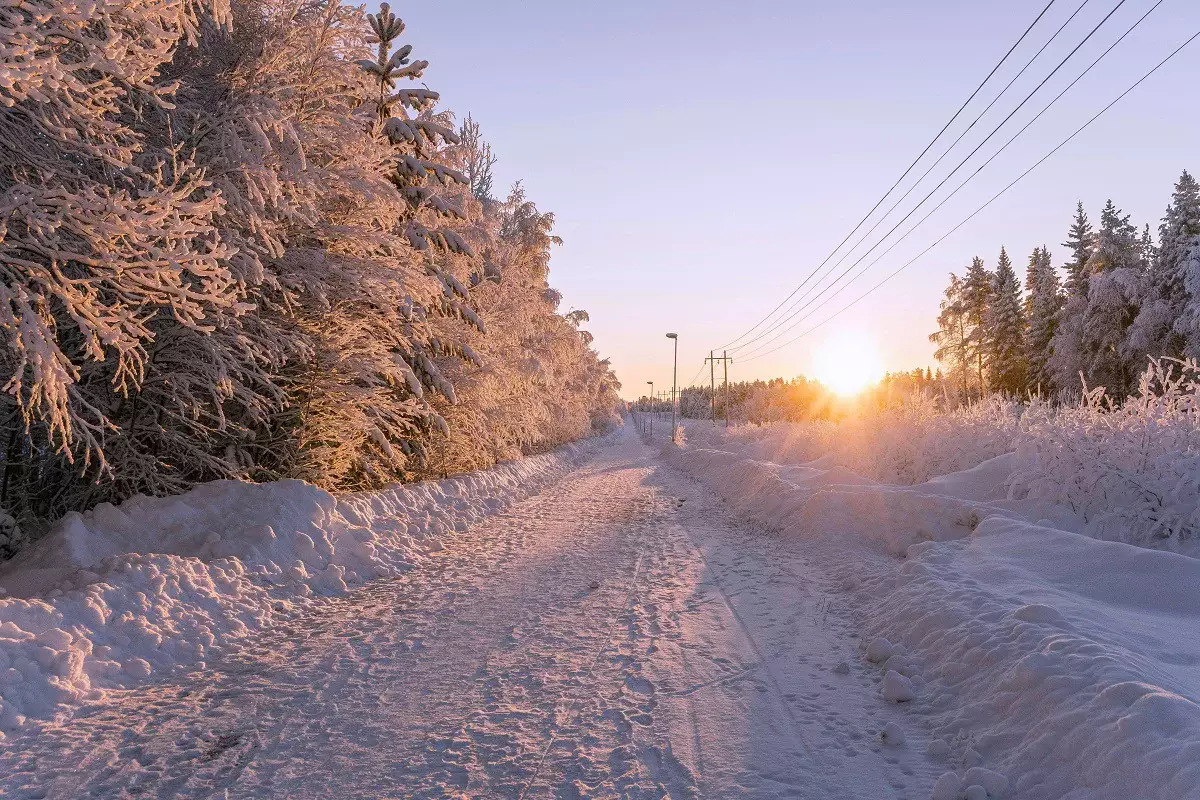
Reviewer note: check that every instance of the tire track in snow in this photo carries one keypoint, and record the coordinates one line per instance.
(496, 669)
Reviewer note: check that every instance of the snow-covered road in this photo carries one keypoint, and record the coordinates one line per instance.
(618, 635)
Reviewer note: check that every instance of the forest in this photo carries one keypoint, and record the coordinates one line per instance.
(244, 240)
(1125, 298)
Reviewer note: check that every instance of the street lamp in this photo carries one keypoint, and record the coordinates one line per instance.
(674, 376)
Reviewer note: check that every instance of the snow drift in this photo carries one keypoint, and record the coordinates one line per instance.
(1071, 665)
(113, 596)
(1068, 666)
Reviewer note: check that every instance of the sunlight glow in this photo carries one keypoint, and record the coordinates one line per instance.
(847, 363)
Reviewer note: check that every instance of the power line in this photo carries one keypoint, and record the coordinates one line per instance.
(960, 186)
(931, 168)
(899, 180)
(941, 183)
(979, 210)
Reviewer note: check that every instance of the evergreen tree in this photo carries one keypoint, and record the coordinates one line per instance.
(1115, 280)
(478, 160)
(1066, 362)
(1147, 250)
(415, 132)
(1031, 271)
(1080, 242)
(976, 298)
(953, 338)
(1004, 342)
(1163, 322)
(1045, 302)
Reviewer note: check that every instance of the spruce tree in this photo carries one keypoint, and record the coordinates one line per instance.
(1004, 342)
(1080, 242)
(478, 160)
(1173, 306)
(1045, 301)
(1031, 270)
(1115, 279)
(407, 120)
(976, 297)
(1161, 299)
(1067, 362)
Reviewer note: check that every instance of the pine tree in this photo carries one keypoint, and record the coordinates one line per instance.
(976, 298)
(1004, 342)
(1045, 302)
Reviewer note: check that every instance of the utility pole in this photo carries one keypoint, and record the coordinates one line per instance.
(674, 380)
(712, 385)
(725, 361)
(651, 408)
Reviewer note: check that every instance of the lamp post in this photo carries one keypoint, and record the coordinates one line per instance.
(674, 376)
(651, 408)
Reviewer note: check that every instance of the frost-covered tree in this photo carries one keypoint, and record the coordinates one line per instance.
(953, 339)
(1114, 285)
(977, 297)
(109, 233)
(1044, 301)
(237, 242)
(1004, 340)
(1081, 241)
(478, 161)
(540, 383)
(386, 305)
(1162, 324)
(1067, 360)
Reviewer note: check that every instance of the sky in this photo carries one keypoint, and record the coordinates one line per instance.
(703, 158)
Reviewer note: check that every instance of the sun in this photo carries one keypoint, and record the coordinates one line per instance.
(847, 363)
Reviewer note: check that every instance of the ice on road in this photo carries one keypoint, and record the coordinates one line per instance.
(618, 635)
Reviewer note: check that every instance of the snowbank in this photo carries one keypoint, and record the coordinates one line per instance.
(113, 596)
(1071, 665)
(904, 444)
(809, 501)
(1068, 667)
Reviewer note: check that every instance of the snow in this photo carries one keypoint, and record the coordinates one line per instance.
(109, 598)
(897, 688)
(947, 787)
(1067, 664)
(700, 621)
(701, 666)
(879, 650)
(893, 734)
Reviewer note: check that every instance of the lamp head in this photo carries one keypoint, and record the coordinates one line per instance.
(672, 335)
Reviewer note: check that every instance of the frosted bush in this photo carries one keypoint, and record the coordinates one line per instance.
(1131, 473)
(907, 443)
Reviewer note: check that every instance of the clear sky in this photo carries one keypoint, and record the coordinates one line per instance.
(701, 158)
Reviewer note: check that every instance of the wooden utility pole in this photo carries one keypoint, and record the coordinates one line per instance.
(725, 360)
(651, 383)
(712, 385)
